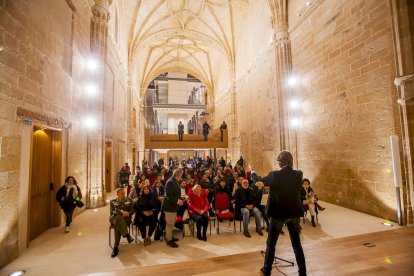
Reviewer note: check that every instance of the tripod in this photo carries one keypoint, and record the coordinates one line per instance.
(280, 259)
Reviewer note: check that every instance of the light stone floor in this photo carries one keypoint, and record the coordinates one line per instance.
(85, 249)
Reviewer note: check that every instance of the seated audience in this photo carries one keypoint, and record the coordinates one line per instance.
(147, 213)
(198, 209)
(121, 210)
(245, 200)
(309, 198)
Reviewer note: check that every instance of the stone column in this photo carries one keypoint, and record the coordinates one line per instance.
(403, 33)
(234, 134)
(283, 57)
(96, 135)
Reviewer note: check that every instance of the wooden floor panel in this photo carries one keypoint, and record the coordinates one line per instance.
(393, 254)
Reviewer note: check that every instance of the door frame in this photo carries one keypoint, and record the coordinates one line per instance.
(25, 180)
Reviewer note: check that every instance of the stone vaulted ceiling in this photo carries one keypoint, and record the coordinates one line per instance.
(193, 36)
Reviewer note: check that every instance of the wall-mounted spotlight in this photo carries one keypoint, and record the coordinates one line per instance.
(294, 122)
(294, 104)
(92, 64)
(90, 122)
(91, 89)
(292, 81)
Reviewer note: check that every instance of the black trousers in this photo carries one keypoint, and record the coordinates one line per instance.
(180, 135)
(201, 221)
(275, 226)
(69, 215)
(142, 223)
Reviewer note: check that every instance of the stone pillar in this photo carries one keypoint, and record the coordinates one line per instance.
(283, 57)
(234, 134)
(96, 135)
(403, 38)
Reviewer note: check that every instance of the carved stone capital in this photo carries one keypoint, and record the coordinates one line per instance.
(400, 81)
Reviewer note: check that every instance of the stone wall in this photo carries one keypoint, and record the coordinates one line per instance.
(344, 62)
(42, 71)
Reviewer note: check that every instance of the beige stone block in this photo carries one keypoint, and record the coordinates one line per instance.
(9, 163)
(12, 7)
(7, 111)
(11, 60)
(33, 74)
(10, 42)
(28, 85)
(370, 67)
(8, 77)
(7, 22)
(12, 145)
(4, 180)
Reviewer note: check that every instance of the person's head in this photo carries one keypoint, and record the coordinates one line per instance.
(305, 183)
(120, 193)
(245, 183)
(240, 180)
(208, 173)
(188, 176)
(285, 159)
(219, 173)
(235, 175)
(71, 180)
(183, 184)
(197, 190)
(142, 177)
(259, 184)
(126, 163)
(178, 174)
(147, 182)
(149, 172)
(222, 183)
(158, 184)
(145, 190)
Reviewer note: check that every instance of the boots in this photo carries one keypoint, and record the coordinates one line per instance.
(129, 238)
(320, 208)
(114, 252)
(313, 221)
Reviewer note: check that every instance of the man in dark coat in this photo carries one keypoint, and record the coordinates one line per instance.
(206, 128)
(284, 207)
(222, 128)
(171, 204)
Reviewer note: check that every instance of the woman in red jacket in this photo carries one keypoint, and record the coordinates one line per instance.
(198, 209)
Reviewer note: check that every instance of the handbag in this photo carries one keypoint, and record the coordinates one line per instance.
(158, 235)
(187, 230)
(79, 203)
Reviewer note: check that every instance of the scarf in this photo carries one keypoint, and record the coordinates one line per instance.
(74, 188)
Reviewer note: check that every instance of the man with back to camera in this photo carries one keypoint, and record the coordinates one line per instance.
(284, 207)
(171, 204)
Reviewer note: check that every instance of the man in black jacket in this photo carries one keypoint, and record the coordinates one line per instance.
(171, 204)
(284, 207)
(245, 200)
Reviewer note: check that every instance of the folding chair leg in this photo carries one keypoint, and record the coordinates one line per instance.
(110, 237)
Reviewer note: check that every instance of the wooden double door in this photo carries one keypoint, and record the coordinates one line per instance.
(46, 164)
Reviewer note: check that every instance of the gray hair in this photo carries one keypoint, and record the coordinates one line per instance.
(177, 172)
(285, 159)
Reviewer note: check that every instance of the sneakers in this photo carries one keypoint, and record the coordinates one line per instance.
(67, 229)
(172, 244)
(114, 252)
(129, 238)
(260, 232)
(247, 234)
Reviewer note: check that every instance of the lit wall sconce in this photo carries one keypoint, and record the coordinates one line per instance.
(90, 122)
(91, 89)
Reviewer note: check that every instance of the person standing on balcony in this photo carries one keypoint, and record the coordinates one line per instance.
(222, 128)
(206, 128)
(180, 131)
(190, 127)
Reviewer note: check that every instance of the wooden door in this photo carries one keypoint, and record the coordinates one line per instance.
(108, 167)
(41, 176)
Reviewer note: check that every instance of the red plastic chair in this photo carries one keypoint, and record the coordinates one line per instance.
(222, 204)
